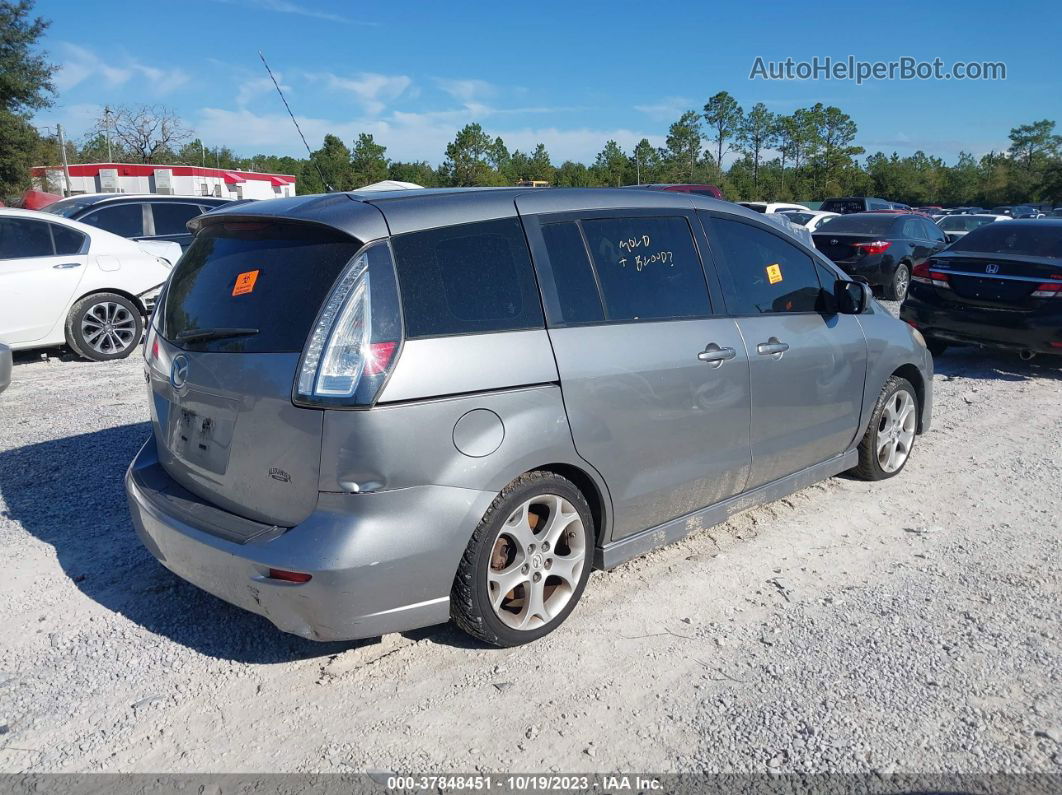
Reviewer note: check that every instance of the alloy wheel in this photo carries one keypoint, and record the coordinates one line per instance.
(536, 562)
(896, 431)
(108, 328)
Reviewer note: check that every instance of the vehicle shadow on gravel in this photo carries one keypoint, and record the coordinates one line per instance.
(997, 365)
(68, 493)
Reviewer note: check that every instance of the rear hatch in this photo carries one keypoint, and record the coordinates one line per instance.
(224, 351)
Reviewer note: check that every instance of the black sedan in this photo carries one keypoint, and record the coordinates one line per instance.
(999, 286)
(883, 248)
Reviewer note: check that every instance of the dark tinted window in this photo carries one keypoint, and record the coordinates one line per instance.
(124, 220)
(1034, 239)
(843, 206)
(912, 229)
(764, 274)
(294, 267)
(467, 279)
(861, 223)
(648, 268)
(933, 231)
(21, 237)
(171, 217)
(67, 240)
(576, 288)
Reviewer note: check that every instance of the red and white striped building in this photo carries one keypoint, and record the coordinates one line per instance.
(174, 180)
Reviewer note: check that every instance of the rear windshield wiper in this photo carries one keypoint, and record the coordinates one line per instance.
(204, 334)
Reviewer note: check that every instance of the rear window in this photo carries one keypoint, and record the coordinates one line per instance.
(272, 277)
(860, 223)
(843, 206)
(467, 279)
(962, 223)
(1014, 237)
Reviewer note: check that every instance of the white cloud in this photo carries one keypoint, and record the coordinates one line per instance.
(467, 91)
(79, 64)
(373, 91)
(407, 136)
(667, 109)
(289, 7)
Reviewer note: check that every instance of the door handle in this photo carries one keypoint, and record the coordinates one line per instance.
(67, 266)
(715, 356)
(773, 347)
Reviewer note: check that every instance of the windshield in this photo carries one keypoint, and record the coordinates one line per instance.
(68, 208)
(962, 223)
(1014, 237)
(242, 277)
(859, 223)
(798, 218)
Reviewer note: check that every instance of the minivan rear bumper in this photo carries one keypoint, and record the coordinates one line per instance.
(379, 562)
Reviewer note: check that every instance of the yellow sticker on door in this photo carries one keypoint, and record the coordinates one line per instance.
(774, 273)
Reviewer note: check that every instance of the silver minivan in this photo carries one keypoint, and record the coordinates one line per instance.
(377, 412)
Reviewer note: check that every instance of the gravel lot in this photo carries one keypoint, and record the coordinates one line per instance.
(908, 626)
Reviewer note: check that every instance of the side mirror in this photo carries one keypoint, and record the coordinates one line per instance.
(852, 297)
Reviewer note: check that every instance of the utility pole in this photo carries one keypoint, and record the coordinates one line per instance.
(107, 131)
(66, 165)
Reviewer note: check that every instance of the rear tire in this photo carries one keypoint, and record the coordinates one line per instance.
(103, 327)
(527, 563)
(936, 347)
(886, 446)
(896, 289)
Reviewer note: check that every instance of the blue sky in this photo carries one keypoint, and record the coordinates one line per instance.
(569, 74)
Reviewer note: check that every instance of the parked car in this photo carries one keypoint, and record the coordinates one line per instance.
(773, 207)
(5, 367)
(1056, 213)
(809, 219)
(855, 204)
(1016, 211)
(147, 216)
(710, 191)
(999, 286)
(955, 226)
(64, 282)
(882, 248)
(312, 462)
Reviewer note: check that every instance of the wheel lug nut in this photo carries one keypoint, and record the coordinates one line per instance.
(530, 547)
(525, 569)
(549, 564)
(538, 576)
(545, 546)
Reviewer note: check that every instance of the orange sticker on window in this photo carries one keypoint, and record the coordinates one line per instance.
(774, 273)
(245, 283)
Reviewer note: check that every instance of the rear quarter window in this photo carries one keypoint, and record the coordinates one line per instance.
(468, 279)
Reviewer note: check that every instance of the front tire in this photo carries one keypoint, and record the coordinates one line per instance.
(527, 563)
(103, 327)
(886, 446)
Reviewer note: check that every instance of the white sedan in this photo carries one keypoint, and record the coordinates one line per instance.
(773, 207)
(63, 282)
(809, 219)
(956, 226)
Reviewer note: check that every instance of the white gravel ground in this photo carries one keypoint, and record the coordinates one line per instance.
(908, 626)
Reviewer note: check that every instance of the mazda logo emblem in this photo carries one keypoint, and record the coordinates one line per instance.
(179, 372)
(992, 268)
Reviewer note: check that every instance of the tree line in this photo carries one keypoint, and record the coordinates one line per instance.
(808, 154)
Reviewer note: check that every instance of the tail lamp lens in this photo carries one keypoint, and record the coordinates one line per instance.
(1048, 290)
(352, 347)
(923, 273)
(877, 247)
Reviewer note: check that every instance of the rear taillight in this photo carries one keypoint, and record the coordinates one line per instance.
(284, 575)
(352, 347)
(923, 273)
(1048, 290)
(877, 247)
